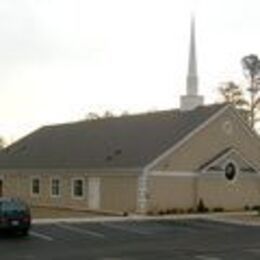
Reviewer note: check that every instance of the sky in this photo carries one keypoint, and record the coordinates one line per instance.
(62, 59)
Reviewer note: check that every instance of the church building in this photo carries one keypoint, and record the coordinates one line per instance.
(147, 163)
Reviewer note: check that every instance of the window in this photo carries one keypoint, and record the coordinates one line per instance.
(55, 187)
(77, 188)
(230, 171)
(35, 186)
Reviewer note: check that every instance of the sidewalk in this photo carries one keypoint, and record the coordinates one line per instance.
(241, 218)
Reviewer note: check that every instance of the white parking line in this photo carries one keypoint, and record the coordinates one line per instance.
(42, 236)
(80, 230)
(127, 229)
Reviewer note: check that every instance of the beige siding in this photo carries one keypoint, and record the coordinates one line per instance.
(19, 184)
(218, 192)
(171, 193)
(210, 141)
(116, 193)
(215, 190)
(119, 194)
(182, 193)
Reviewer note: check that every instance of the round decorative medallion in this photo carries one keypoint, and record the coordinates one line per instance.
(230, 171)
(227, 127)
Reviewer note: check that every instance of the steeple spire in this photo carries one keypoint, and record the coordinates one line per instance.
(192, 77)
(191, 100)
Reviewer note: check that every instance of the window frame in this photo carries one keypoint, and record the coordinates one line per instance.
(73, 181)
(234, 179)
(33, 178)
(52, 195)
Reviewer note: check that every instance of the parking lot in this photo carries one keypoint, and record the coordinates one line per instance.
(160, 239)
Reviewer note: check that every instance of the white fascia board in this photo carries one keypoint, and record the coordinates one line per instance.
(251, 132)
(173, 174)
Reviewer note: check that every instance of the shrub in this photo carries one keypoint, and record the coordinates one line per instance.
(161, 212)
(190, 210)
(256, 207)
(151, 213)
(246, 208)
(168, 211)
(218, 209)
(201, 207)
(174, 211)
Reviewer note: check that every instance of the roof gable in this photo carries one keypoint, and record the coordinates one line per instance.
(219, 161)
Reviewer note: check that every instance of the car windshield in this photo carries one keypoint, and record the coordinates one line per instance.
(12, 206)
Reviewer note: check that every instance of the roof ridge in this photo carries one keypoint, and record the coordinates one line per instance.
(135, 115)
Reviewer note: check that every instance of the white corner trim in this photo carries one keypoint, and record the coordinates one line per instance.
(185, 139)
(94, 196)
(142, 192)
(173, 174)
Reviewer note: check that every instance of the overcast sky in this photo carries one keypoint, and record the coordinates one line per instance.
(61, 59)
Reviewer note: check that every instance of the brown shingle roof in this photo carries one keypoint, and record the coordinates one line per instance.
(123, 142)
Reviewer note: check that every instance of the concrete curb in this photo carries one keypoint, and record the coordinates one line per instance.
(236, 222)
(208, 216)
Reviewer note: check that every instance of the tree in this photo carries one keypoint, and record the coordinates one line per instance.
(108, 114)
(92, 116)
(251, 67)
(2, 143)
(233, 94)
(96, 116)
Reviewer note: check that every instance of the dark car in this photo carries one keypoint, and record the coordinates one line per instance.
(14, 216)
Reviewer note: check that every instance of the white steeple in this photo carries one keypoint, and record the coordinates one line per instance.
(191, 100)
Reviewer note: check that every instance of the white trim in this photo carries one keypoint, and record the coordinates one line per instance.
(173, 174)
(32, 178)
(51, 194)
(142, 195)
(72, 188)
(186, 138)
(93, 192)
(246, 126)
(205, 169)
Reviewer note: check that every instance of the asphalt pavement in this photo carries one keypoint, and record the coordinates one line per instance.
(127, 240)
